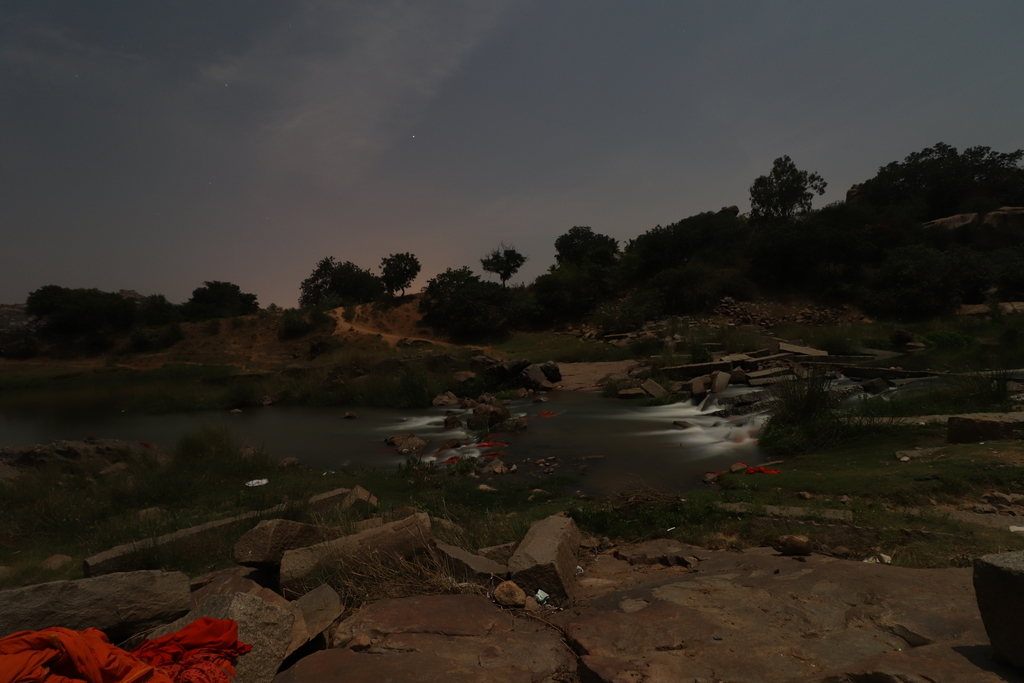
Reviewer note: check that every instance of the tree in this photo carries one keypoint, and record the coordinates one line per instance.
(337, 284)
(219, 300)
(460, 304)
(398, 271)
(785, 192)
(938, 182)
(581, 246)
(68, 313)
(503, 262)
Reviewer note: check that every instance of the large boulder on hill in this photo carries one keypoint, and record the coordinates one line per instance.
(120, 605)
(1002, 228)
(957, 222)
(268, 628)
(546, 559)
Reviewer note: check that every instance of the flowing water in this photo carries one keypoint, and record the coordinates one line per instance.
(612, 444)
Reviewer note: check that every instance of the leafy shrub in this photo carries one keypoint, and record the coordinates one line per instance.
(804, 417)
(950, 340)
(150, 342)
(461, 305)
(212, 327)
(68, 313)
(625, 315)
(219, 300)
(19, 345)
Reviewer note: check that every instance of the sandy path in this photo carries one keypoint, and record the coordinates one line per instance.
(589, 376)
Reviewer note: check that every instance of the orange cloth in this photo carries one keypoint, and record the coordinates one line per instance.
(202, 652)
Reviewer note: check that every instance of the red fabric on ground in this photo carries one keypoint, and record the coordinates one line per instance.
(202, 652)
(762, 470)
(60, 655)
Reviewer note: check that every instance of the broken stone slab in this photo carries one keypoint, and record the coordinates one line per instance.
(360, 500)
(765, 381)
(465, 566)
(500, 554)
(769, 372)
(403, 538)
(317, 610)
(436, 639)
(325, 502)
(800, 350)
(546, 559)
(268, 628)
(984, 427)
(875, 386)
(634, 392)
(452, 615)
(688, 372)
(664, 551)
(654, 389)
(857, 372)
(999, 588)
(231, 581)
(719, 382)
(129, 556)
(835, 360)
(120, 604)
(264, 544)
(699, 386)
(757, 362)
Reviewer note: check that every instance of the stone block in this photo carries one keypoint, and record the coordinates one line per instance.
(315, 612)
(403, 538)
(535, 378)
(465, 566)
(719, 382)
(325, 502)
(268, 628)
(362, 501)
(499, 553)
(654, 389)
(688, 372)
(265, 544)
(999, 589)
(975, 428)
(119, 604)
(546, 559)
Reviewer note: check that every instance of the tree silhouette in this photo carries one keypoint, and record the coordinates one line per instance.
(398, 271)
(786, 191)
(503, 262)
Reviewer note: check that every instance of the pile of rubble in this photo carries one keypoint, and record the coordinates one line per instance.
(556, 607)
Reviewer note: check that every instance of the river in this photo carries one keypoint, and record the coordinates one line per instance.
(622, 445)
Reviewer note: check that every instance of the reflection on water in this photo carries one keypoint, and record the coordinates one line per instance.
(640, 445)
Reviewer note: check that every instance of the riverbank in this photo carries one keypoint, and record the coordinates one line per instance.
(855, 500)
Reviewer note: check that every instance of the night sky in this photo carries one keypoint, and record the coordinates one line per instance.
(155, 144)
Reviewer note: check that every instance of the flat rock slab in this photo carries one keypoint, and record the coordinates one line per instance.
(754, 617)
(118, 604)
(445, 638)
(268, 540)
(450, 615)
(663, 551)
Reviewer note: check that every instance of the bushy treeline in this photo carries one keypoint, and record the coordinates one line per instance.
(89, 321)
(871, 250)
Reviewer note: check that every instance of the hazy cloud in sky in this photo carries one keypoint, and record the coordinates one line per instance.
(156, 145)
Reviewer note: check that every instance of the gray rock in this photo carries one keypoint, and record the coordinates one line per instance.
(266, 543)
(493, 414)
(535, 378)
(362, 501)
(654, 389)
(317, 609)
(118, 604)
(552, 371)
(719, 381)
(325, 502)
(465, 566)
(875, 386)
(445, 399)
(266, 627)
(546, 558)
(999, 589)
(452, 422)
